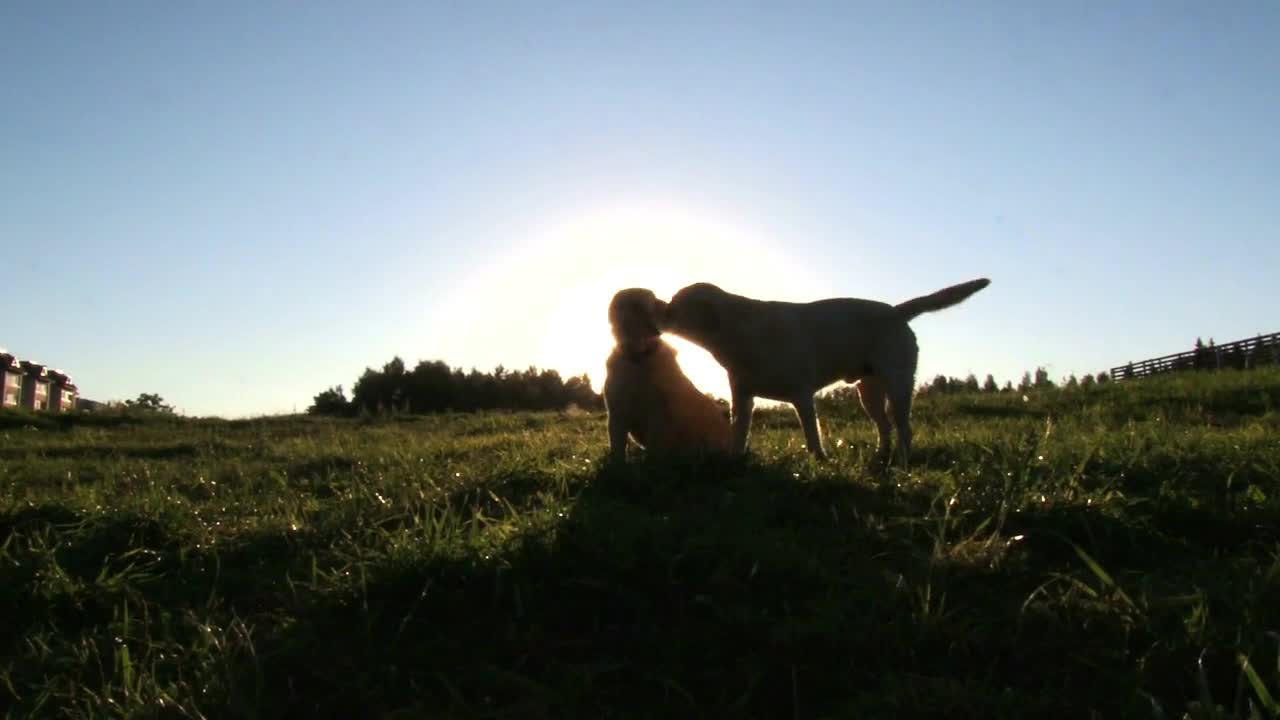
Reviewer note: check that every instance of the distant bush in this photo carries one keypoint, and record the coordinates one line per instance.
(149, 402)
(331, 402)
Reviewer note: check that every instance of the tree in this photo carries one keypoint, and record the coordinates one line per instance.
(971, 383)
(431, 387)
(578, 392)
(149, 402)
(367, 392)
(1203, 358)
(1025, 384)
(1072, 381)
(1042, 378)
(989, 385)
(1086, 382)
(1103, 377)
(330, 402)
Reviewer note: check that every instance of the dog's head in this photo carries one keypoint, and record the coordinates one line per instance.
(634, 316)
(694, 312)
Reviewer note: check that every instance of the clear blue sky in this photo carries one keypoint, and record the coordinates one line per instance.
(237, 204)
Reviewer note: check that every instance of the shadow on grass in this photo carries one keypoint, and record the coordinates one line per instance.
(702, 588)
(697, 588)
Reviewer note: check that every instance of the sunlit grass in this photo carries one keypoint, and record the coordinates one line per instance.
(1113, 551)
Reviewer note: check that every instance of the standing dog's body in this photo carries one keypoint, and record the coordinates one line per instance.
(789, 351)
(646, 394)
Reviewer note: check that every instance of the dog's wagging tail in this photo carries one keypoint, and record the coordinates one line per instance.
(940, 300)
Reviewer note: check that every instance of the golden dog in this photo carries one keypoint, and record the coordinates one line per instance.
(647, 396)
(789, 351)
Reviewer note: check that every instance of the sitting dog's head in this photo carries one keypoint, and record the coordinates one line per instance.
(694, 312)
(634, 314)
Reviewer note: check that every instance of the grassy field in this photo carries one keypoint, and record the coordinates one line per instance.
(1111, 552)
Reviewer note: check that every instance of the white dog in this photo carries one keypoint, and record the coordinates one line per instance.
(789, 351)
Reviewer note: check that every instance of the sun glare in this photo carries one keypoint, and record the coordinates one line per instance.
(546, 303)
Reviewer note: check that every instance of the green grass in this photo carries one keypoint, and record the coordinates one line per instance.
(1113, 552)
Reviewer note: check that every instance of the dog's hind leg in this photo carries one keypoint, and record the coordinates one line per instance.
(872, 396)
(899, 354)
(900, 406)
(808, 414)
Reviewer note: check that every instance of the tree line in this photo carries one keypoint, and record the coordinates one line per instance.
(943, 385)
(432, 386)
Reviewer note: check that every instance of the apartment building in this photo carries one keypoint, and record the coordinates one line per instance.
(30, 385)
(35, 386)
(62, 392)
(11, 374)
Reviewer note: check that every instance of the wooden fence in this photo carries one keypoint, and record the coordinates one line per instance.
(1242, 354)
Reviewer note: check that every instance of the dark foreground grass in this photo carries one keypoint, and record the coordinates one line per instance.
(1104, 553)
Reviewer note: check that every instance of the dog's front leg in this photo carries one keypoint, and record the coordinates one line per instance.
(744, 404)
(809, 421)
(617, 437)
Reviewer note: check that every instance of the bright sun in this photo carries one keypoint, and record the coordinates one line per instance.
(546, 303)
